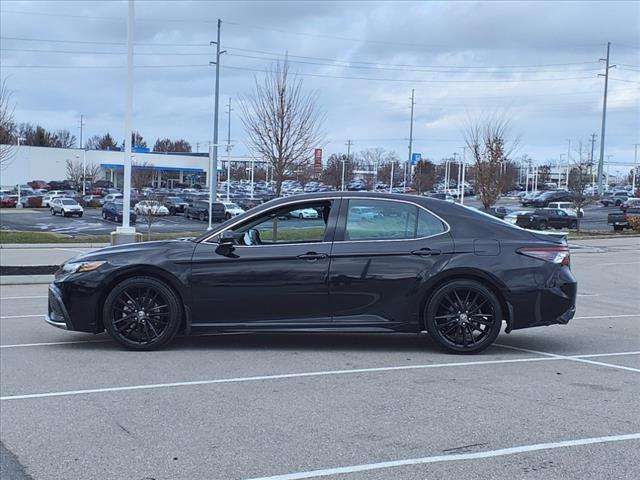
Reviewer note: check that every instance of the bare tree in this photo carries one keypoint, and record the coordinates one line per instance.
(282, 122)
(63, 139)
(7, 126)
(332, 173)
(141, 175)
(74, 173)
(106, 142)
(150, 215)
(487, 139)
(424, 175)
(579, 180)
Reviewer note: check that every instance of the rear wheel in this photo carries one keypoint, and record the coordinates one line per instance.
(53, 212)
(142, 313)
(301, 216)
(201, 217)
(172, 211)
(463, 316)
(618, 228)
(542, 225)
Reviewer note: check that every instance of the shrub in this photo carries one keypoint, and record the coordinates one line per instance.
(634, 222)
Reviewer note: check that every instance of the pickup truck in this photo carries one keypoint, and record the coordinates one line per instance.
(543, 218)
(620, 220)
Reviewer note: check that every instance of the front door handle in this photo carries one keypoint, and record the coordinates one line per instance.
(312, 256)
(427, 252)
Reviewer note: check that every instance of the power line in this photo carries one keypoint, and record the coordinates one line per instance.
(103, 66)
(430, 70)
(31, 50)
(95, 42)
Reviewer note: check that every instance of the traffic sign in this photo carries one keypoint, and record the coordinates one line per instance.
(415, 158)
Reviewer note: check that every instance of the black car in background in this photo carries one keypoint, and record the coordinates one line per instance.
(543, 199)
(544, 218)
(200, 210)
(500, 212)
(419, 265)
(113, 211)
(175, 205)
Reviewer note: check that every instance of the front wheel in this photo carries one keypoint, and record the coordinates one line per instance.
(53, 212)
(463, 316)
(201, 217)
(142, 313)
(542, 226)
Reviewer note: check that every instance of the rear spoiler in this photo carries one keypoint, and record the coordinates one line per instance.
(558, 237)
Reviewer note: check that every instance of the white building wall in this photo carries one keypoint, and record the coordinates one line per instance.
(45, 163)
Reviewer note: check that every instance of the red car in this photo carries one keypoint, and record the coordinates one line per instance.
(9, 201)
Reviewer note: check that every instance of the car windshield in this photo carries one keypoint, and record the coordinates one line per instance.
(69, 202)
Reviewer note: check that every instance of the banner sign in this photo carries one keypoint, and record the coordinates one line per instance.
(317, 159)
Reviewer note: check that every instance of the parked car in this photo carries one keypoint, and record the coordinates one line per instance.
(526, 200)
(630, 203)
(114, 210)
(543, 218)
(146, 207)
(8, 201)
(112, 197)
(543, 200)
(441, 196)
(200, 211)
(231, 210)
(512, 217)
(304, 213)
(175, 205)
(620, 220)
(568, 207)
(395, 275)
(615, 198)
(500, 212)
(363, 213)
(46, 199)
(67, 207)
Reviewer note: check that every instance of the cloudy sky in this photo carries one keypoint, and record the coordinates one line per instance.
(537, 62)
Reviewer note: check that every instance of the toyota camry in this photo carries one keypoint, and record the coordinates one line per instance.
(417, 264)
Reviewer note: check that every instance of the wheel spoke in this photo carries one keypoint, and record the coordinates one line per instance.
(470, 334)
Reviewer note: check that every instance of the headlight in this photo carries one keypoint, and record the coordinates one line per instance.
(81, 266)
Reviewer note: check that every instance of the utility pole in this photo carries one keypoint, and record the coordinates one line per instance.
(126, 189)
(568, 163)
(604, 115)
(348, 144)
(229, 150)
(410, 141)
(635, 167)
(82, 124)
(213, 161)
(593, 143)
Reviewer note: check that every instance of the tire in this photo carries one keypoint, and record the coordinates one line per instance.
(172, 211)
(53, 212)
(104, 216)
(80, 215)
(618, 203)
(201, 217)
(618, 228)
(142, 313)
(456, 333)
(574, 225)
(542, 225)
(117, 219)
(301, 217)
(227, 216)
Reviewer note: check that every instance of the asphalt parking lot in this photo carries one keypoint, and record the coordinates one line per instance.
(556, 402)
(91, 223)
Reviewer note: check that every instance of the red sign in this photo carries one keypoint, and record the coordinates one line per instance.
(317, 159)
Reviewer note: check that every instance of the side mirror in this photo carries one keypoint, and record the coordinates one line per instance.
(229, 238)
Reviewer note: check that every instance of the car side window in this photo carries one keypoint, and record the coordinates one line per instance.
(388, 220)
(298, 223)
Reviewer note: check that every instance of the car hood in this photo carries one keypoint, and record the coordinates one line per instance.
(141, 252)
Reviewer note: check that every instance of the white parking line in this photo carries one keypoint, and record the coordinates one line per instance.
(631, 315)
(581, 359)
(270, 377)
(46, 344)
(6, 317)
(23, 298)
(452, 458)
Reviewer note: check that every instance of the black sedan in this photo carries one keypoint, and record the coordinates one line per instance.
(419, 265)
(175, 205)
(544, 218)
(113, 211)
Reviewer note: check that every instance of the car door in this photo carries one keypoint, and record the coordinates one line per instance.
(379, 265)
(279, 282)
(558, 218)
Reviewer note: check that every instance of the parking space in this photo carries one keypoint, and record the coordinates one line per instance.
(550, 402)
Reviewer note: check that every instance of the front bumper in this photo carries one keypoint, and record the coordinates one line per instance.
(57, 314)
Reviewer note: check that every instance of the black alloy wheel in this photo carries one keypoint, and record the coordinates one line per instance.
(142, 313)
(463, 316)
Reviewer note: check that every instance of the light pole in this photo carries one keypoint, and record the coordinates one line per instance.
(635, 166)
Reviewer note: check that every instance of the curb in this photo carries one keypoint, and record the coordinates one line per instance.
(26, 279)
(52, 245)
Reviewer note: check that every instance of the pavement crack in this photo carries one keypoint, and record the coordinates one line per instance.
(465, 448)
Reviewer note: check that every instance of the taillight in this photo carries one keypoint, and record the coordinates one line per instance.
(559, 254)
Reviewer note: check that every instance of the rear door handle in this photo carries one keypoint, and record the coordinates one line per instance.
(312, 256)
(426, 252)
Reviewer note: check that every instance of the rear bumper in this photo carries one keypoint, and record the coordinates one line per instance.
(553, 304)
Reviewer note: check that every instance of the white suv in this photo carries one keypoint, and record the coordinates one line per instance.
(67, 207)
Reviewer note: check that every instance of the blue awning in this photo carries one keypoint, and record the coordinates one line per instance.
(116, 166)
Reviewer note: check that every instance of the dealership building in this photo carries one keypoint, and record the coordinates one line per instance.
(28, 163)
